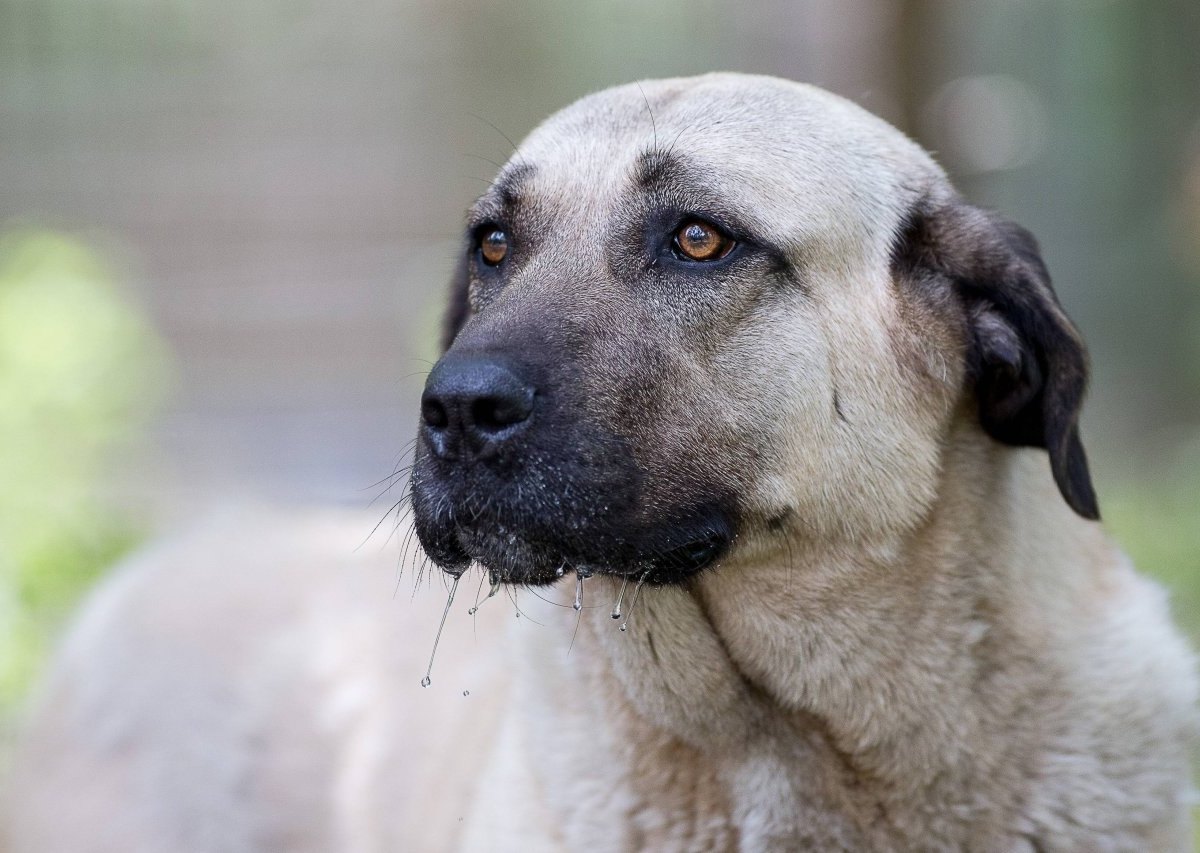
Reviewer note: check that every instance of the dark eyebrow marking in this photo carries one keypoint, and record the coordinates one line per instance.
(655, 166)
(678, 180)
(678, 184)
(507, 194)
(508, 187)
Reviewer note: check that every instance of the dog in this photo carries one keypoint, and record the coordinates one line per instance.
(777, 437)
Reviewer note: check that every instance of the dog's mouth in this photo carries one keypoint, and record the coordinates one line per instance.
(564, 493)
(662, 553)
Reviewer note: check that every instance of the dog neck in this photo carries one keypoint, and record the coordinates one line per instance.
(907, 671)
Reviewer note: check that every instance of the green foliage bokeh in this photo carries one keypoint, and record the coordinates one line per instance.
(1156, 518)
(81, 368)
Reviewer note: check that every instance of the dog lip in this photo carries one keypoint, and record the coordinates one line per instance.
(684, 560)
(697, 554)
(448, 554)
(673, 555)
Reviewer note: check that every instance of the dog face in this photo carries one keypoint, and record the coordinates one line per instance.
(706, 315)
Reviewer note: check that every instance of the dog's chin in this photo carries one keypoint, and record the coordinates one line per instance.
(667, 555)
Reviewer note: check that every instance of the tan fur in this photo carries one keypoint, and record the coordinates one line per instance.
(933, 653)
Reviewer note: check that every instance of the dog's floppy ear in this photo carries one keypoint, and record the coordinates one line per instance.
(1025, 358)
(459, 307)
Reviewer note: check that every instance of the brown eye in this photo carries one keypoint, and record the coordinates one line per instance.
(494, 247)
(702, 242)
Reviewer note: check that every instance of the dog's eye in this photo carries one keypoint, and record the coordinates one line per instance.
(494, 247)
(700, 241)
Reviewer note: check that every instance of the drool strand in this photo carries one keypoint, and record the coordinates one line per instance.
(427, 680)
(616, 611)
(578, 605)
(491, 592)
(637, 591)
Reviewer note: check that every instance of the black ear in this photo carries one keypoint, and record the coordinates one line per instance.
(459, 307)
(1026, 359)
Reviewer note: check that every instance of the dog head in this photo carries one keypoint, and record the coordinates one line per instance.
(699, 315)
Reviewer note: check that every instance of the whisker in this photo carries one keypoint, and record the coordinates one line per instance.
(379, 523)
(653, 124)
(516, 152)
(512, 596)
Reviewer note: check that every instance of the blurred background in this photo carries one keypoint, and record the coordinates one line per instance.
(225, 228)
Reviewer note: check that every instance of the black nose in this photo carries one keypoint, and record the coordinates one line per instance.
(473, 405)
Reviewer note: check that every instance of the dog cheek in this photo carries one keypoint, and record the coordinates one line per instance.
(849, 438)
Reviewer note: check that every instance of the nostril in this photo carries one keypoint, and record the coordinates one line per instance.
(496, 413)
(434, 414)
(473, 406)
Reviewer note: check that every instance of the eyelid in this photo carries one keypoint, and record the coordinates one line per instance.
(703, 219)
(484, 227)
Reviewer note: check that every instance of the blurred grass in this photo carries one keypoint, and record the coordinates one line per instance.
(1156, 519)
(81, 369)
